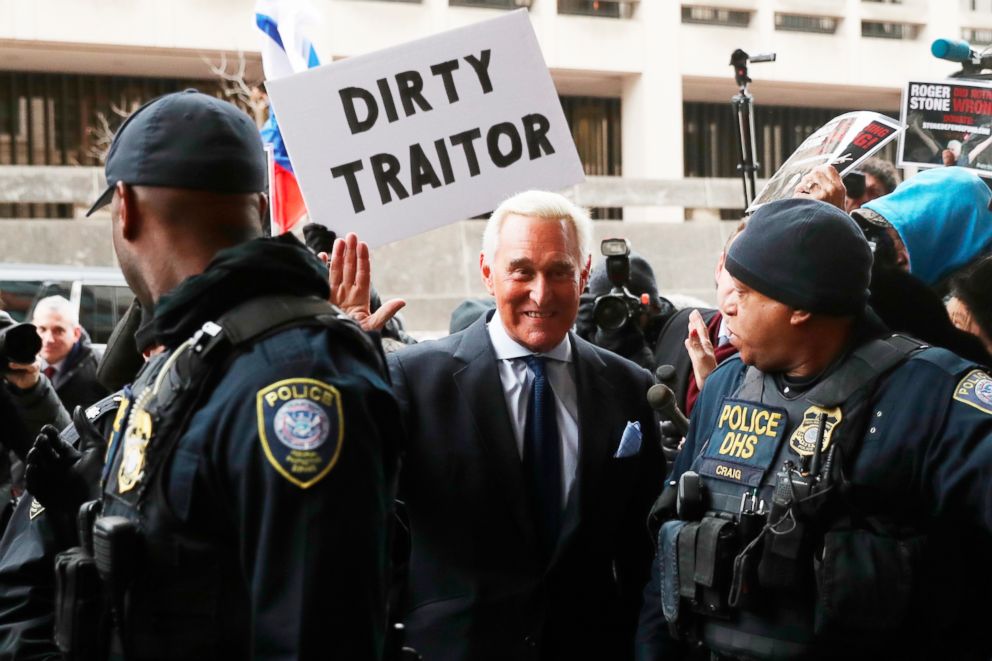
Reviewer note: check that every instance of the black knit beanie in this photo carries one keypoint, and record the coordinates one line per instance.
(807, 254)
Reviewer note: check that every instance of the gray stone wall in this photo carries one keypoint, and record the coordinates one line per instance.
(433, 272)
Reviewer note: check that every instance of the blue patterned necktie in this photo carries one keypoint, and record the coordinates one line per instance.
(542, 455)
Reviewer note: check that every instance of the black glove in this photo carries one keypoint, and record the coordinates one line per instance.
(59, 476)
(318, 238)
(671, 441)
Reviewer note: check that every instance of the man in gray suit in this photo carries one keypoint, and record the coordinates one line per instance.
(532, 459)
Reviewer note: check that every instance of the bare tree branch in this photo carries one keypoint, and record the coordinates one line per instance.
(102, 135)
(237, 88)
(234, 85)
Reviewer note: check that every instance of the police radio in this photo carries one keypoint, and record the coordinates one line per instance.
(690, 504)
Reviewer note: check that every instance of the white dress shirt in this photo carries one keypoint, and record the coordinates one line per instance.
(517, 380)
(723, 334)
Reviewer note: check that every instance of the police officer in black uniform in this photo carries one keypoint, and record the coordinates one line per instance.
(833, 497)
(250, 474)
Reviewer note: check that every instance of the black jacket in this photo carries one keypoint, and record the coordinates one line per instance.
(477, 588)
(75, 381)
(907, 305)
(670, 349)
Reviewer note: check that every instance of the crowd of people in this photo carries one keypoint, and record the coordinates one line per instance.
(265, 465)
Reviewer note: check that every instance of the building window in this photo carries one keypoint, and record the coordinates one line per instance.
(595, 126)
(69, 119)
(887, 30)
(715, 16)
(801, 23)
(605, 8)
(710, 142)
(982, 6)
(490, 4)
(977, 36)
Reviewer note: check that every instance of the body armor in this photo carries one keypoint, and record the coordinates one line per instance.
(750, 567)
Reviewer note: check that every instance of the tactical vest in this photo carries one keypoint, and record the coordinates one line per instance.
(173, 593)
(742, 569)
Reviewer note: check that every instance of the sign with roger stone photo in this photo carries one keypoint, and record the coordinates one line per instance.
(406, 139)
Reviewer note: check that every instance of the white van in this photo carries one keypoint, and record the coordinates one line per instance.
(100, 294)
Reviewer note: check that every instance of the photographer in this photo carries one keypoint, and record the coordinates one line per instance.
(621, 310)
(27, 402)
(871, 180)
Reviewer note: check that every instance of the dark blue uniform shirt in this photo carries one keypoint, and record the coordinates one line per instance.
(285, 477)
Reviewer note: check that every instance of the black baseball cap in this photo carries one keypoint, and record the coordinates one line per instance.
(186, 140)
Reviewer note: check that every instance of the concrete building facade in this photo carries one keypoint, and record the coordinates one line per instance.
(665, 63)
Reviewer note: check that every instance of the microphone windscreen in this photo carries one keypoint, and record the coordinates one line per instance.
(954, 50)
(660, 396)
(665, 373)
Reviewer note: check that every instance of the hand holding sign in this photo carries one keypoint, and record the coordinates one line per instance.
(822, 183)
(843, 142)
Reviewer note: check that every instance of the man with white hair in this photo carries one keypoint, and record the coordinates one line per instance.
(532, 460)
(71, 363)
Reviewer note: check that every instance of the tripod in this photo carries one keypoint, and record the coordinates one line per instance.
(743, 103)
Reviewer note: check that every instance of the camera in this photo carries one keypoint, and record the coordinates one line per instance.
(614, 309)
(19, 343)
(854, 182)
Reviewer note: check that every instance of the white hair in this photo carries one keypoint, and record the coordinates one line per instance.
(61, 305)
(541, 204)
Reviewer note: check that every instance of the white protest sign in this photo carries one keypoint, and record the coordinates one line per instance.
(406, 139)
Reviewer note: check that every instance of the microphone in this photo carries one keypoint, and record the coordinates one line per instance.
(761, 57)
(953, 50)
(665, 374)
(662, 399)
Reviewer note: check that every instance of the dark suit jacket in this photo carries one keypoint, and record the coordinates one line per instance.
(477, 589)
(76, 382)
(670, 349)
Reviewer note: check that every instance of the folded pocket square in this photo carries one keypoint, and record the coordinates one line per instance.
(630, 442)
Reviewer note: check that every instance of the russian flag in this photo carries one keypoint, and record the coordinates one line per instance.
(286, 49)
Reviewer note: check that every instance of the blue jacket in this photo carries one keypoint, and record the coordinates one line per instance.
(942, 216)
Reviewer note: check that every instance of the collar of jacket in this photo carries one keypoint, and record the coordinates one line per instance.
(260, 267)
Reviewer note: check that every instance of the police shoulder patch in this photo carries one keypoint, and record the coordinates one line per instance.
(301, 427)
(975, 389)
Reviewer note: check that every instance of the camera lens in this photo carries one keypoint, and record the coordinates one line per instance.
(610, 312)
(19, 343)
(854, 182)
